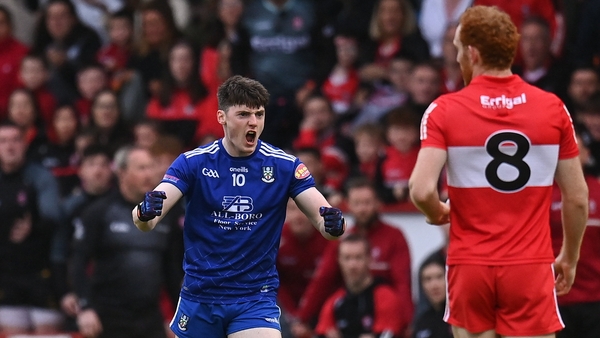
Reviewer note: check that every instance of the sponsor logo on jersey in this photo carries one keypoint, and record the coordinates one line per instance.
(183, 322)
(239, 170)
(237, 203)
(502, 101)
(301, 172)
(267, 175)
(210, 173)
(170, 178)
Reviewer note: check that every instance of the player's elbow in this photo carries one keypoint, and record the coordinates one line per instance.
(577, 199)
(421, 192)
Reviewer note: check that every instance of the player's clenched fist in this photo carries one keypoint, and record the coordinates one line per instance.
(334, 221)
(151, 206)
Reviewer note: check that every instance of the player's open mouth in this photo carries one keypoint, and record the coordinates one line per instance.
(250, 136)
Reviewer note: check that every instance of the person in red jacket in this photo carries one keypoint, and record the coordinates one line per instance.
(34, 77)
(580, 307)
(363, 307)
(390, 258)
(300, 250)
(11, 54)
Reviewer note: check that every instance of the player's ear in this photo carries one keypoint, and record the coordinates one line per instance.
(221, 116)
(474, 55)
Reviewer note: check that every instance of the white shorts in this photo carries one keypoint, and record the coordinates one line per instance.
(27, 317)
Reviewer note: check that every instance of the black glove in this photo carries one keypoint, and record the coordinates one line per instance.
(334, 221)
(151, 206)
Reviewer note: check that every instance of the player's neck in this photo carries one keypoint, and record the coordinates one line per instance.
(491, 72)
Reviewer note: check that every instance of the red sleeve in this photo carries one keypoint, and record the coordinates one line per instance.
(568, 141)
(153, 109)
(432, 133)
(209, 61)
(306, 138)
(387, 307)
(327, 316)
(401, 274)
(327, 278)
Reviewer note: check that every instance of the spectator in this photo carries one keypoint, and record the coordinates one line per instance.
(57, 154)
(95, 181)
(282, 37)
(369, 145)
(91, 79)
(67, 45)
(435, 17)
(11, 53)
(146, 133)
(182, 105)
(579, 307)
(424, 86)
(318, 130)
(106, 122)
(312, 158)
(538, 66)
(394, 33)
(589, 116)
(158, 35)
(452, 79)
(23, 111)
(586, 51)
(389, 253)
(385, 96)
(342, 83)
(225, 35)
(164, 151)
(300, 251)
(583, 84)
(129, 267)
(402, 134)
(29, 210)
(34, 77)
(364, 307)
(432, 277)
(114, 56)
(95, 14)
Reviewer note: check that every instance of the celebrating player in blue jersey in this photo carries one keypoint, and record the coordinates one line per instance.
(236, 191)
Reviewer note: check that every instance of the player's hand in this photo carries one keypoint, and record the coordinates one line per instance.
(565, 274)
(89, 323)
(70, 304)
(151, 206)
(334, 221)
(444, 215)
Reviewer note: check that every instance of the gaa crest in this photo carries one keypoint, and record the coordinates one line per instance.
(183, 321)
(267, 175)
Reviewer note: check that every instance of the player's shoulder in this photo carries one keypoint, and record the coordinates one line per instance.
(270, 152)
(203, 151)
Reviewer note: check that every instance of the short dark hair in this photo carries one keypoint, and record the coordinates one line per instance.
(95, 150)
(7, 14)
(404, 116)
(242, 91)
(312, 151)
(359, 182)
(124, 13)
(539, 21)
(436, 259)
(356, 238)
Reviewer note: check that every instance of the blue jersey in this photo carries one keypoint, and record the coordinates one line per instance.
(235, 209)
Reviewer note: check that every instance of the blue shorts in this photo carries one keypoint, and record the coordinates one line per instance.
(220, 320)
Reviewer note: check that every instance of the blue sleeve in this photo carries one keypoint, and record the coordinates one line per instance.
(179, 174)
(301, 179)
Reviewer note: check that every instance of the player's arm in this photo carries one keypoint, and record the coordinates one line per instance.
(155, 206)
(329, 221)
(423, 185)
(574, 192)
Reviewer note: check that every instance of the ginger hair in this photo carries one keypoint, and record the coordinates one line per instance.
(493, 33)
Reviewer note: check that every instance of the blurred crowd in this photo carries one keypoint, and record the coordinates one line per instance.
(98, 97)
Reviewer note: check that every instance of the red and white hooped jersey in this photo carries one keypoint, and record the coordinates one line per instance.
(504, 138)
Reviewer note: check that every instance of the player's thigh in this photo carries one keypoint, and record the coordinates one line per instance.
(471, 298)
(527, 305)
(261, 314)
(261, 332)
(14, 319)
(459, 332)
